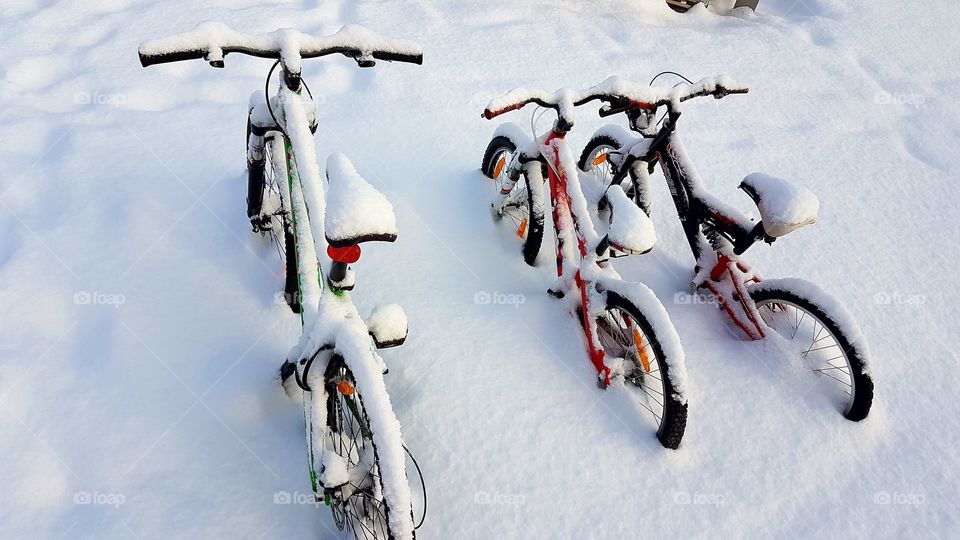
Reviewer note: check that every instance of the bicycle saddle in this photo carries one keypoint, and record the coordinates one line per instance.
(356, 211)
(631, 231)
(784, 206)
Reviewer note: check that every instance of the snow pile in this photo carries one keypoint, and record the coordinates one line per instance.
(356, 211)
(784, 206)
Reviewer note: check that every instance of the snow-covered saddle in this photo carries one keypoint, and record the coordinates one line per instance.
(784, 206)
(356, 211)
(631, 231)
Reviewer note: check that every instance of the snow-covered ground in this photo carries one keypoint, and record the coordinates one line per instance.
(141, 337)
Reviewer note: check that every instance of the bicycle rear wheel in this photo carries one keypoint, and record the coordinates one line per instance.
(624, 332)
(350, 462)
(824, 335)
(525, 208)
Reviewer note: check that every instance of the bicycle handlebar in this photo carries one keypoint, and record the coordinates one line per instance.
(212, 41)
(620, 96)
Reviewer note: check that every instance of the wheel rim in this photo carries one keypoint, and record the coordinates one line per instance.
(517, 209)
(813, 341)
(619, 335)
(601, 166)
(272, 205)
(358, 504)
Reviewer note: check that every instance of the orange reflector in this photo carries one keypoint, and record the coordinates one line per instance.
(600, 159)
(522, 230)
(638, 340)
(499, 168)
(345, 388)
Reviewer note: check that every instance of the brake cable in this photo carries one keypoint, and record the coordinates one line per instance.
(266, 97)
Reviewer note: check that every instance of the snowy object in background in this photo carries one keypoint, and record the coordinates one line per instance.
(356, 211)
(631, 230)
(719, 6)
(784, 206)
(388, 326)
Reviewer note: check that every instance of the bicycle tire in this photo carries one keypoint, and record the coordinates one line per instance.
(673, 418)
(257, 186)
(828, 313)
(338, 422)
(499, 148)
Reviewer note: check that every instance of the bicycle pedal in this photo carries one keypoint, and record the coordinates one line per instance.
(558, 294)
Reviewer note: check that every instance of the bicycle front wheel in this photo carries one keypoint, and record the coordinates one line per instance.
(823, 334)
(351, 468)
(525, 208)
(625, 332)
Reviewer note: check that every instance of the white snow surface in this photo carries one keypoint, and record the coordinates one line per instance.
(784, 206)
(142, 336)
(354, 207)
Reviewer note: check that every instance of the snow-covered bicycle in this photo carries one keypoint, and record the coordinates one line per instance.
(356, 452)
(629, 336)
(813, 324)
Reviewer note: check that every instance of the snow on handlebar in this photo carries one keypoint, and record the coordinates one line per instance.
(617, 93)
(212, 41)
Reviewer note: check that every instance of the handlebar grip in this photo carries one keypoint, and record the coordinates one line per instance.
(399, 57)
(610, 111)
(152, 59)
(489, 115)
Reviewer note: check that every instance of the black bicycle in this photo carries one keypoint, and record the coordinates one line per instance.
(812, 322)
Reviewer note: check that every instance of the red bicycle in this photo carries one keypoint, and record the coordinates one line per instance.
(629, 336)
(811, 323)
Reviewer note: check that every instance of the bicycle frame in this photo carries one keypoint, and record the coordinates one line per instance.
(580, 268)
(709, 226)
(332, 325)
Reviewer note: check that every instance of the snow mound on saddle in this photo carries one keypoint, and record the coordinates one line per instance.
(355, 209)
(784, 206)
(630, 228)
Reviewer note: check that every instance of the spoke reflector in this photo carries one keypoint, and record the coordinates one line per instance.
(522, 230)
(345, 388)
(600, 159)
(638, 341)
(499, 168)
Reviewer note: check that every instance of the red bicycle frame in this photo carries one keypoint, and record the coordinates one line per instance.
(562, 212)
